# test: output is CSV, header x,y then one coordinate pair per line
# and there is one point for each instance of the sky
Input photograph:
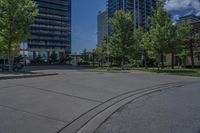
x,y
84,23
84,19
180,8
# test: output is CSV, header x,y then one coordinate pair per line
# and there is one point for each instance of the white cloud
x,y
190,12
173,5
176,17
198,13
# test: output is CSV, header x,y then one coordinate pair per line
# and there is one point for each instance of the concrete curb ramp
x,y
91,120
27,76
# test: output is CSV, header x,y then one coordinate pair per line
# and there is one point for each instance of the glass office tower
x,y
114,5
140,9
102,26
51,31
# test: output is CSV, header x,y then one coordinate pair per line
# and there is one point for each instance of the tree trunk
x,y
172,59
124,60
111,63
9,55
99,63
162,60
93,60
10,48
158,65
120,61
145,59
192,55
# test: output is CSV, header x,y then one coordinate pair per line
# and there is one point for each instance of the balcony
x,y
39,26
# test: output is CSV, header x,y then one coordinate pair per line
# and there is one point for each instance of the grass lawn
x,y
176,71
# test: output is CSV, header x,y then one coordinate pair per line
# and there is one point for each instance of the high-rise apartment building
x,y
102,28
114,5
141,9
51,31
188,19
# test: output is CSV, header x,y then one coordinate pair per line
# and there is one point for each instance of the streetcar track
x,y
86,117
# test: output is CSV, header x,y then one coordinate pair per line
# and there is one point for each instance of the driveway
x,y
68,101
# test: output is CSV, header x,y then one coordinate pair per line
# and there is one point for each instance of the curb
x,y
27,76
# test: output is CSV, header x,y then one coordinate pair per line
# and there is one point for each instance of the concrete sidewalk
x,y
5,76
50,104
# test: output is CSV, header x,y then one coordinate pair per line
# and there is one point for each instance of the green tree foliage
x,y
101,52
192,42
160,25
2,47
122,36
137,46
166,37
64,58
85,55
16,18
54,57
136,52
177,36
39,59
147,48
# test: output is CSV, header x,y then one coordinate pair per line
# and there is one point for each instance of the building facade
x,y
195,23
51,31
189,19
102,28
141,10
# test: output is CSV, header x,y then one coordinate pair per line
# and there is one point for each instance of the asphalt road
x,y
49,104
172,111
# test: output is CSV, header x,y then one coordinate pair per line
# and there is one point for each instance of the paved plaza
x,y
67,102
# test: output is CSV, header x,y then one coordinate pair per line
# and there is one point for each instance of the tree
x,y
147,48
191,42
121,38
85,55
2,47
64,58
100,51
177,35
160,24
16,18
141,45
135,49
166,37
54,57
38,59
